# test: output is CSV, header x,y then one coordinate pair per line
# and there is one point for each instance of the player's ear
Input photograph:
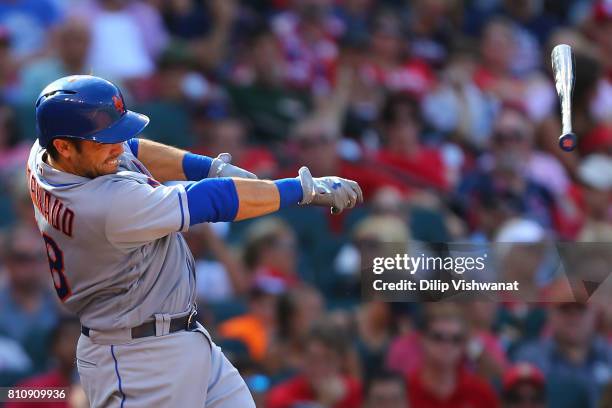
x,y
64,148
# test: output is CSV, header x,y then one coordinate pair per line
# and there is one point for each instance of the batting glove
x,y
334,192
221,167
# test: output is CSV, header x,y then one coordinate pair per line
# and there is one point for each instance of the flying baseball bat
x,y
563,69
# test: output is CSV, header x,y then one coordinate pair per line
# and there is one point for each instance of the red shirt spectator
x,y
413,76
403,152
298,390
470,392
442,381
425,167
229,135
406,354
309,47
370,179
322,379
388,66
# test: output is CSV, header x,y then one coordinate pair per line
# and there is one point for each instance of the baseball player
x,y
116,255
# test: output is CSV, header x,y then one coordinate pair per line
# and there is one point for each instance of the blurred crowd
x,y
446,114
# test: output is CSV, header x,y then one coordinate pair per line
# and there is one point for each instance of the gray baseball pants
x,y
181,369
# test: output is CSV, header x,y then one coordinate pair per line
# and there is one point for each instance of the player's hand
x,y
221,167
334,192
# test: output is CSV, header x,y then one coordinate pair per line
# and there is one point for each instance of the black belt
x,y
148,329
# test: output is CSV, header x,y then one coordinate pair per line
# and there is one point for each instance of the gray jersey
x,y
114,245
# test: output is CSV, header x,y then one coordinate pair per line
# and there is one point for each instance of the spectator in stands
x,y
513,169
206,27
524,386
513,138
298,311
403,152
432,26
13,150
135,25
221,274
522,246
598,28
315,141
441,381
500,49
573,351
457,107
255,378
28,310
8,66
485,348
270,255
14,362
307,32
62,349
256,327
169,102
385,389
483,353
490,212
534,25
28,22
20,215
257,90
595,176
375,328
387,66
71,42
229,135
355,16
374,236
320,380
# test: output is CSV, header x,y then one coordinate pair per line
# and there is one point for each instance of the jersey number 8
x,y
56,265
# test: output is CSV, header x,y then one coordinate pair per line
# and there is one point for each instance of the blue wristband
x,y
196,167
290,191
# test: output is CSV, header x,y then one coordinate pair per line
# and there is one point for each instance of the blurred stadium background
x,y
443,110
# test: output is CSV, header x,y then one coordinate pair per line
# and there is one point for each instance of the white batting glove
x,y
221,167
334,192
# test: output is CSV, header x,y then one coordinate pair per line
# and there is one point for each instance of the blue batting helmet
x,y
85,107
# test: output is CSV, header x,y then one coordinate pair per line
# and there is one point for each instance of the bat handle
x,y
566,118
568,140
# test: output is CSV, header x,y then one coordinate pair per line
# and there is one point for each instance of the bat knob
x,y
568,142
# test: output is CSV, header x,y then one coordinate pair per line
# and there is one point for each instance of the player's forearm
x,y
167,163
232,199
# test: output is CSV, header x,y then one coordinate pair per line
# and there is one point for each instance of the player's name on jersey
x,y
55,212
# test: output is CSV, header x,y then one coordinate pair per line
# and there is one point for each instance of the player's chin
x,y
110,167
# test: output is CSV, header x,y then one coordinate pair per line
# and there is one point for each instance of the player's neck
x,y
60,165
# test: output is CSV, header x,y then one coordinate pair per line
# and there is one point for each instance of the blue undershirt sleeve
x,y
133,144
